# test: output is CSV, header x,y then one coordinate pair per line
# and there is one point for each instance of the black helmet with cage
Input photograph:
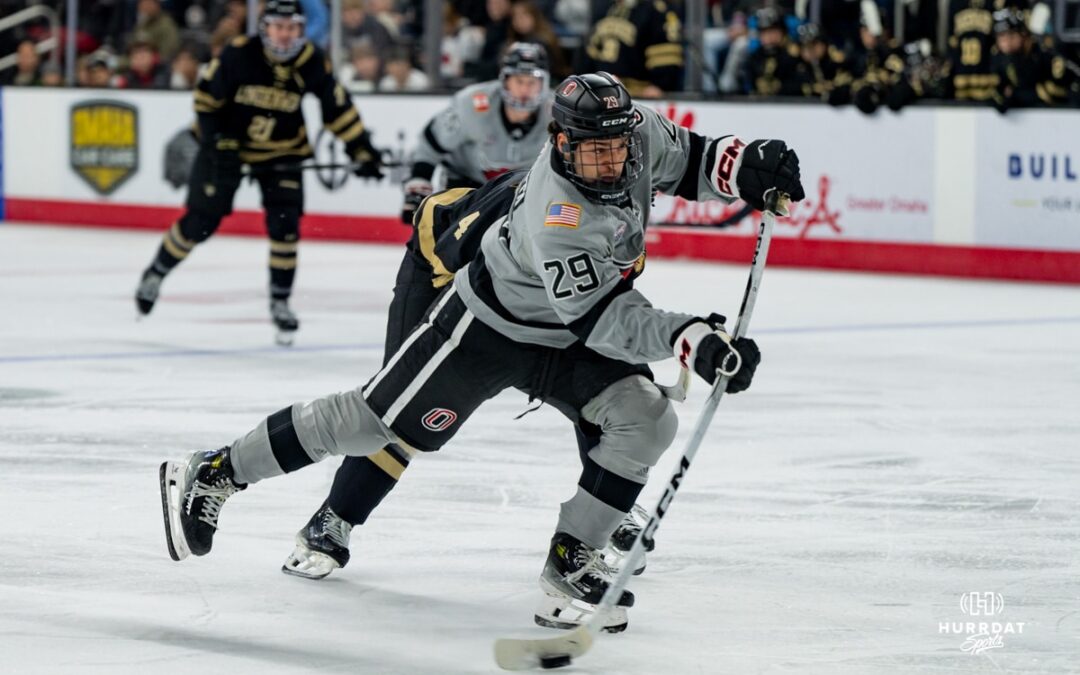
x,y
280,11
530,59
597,107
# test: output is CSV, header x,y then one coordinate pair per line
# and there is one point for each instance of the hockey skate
x,y
574,579
147,292
285,321
321,547
622,540
192,494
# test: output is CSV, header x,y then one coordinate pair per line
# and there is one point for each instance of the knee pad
x,y
283,223
197,226
637,421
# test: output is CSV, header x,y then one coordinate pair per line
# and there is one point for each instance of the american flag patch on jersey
x,y
563,215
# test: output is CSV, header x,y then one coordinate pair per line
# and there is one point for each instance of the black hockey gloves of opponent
x,y
767,164
704,347
368,158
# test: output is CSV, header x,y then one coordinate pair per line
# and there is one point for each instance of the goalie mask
x,y
281,29
524,76
595,134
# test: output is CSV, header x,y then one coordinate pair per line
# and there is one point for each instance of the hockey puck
x,y
557,661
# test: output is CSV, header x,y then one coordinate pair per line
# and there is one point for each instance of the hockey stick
x,y
560,650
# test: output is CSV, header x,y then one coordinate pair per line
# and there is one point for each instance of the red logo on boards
x,y
438,419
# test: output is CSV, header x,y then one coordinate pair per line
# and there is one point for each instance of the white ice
x,y
907,440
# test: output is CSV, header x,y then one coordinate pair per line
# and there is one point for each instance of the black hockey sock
x,y
588,437
362,482
612,489
284,442
174,248
282,268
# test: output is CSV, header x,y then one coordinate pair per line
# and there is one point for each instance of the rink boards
x,y
959,192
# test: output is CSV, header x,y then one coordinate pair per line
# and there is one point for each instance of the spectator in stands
x,y
641,44
497,28
528,24
357,24
461,43
51,75
822,67
772,69
145,70
400,73
154,26
1030,75
316,22
101,70
27,70
184,71
364,69
384,11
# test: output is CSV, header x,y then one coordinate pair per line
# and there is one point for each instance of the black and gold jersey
x,y
640,42
448,226
971,40
245,95
774,72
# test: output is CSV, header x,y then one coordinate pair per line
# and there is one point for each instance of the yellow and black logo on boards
x,y
104,143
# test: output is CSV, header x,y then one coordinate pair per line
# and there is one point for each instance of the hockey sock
x,y
362,482
174,248
282,268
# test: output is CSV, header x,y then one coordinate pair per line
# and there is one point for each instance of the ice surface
x,y
906,441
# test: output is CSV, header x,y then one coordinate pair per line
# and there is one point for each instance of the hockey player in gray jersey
x,y
488,129
548,306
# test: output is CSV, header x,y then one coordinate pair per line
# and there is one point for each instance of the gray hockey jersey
x,y
558,268
470,139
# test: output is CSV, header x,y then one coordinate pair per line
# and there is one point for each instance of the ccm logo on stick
x,y
439,419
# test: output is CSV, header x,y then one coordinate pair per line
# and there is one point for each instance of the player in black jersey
x,y
248,107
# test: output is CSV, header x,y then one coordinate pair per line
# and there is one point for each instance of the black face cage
x,y
575,160
294,47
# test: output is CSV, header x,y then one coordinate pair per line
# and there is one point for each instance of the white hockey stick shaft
x,y
513,654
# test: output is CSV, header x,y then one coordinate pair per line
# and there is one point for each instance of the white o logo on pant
x,y
439,419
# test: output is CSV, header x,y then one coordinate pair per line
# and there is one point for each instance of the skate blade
x,y
170,477
285,338
557,610
308,564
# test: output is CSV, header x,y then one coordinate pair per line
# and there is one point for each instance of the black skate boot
x,y
574,579
286,322
321,547
147,292
192,494
622,540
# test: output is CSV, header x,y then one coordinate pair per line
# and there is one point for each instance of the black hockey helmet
x,y
596,107
768,17
525,58
1009,20
283,10
809,33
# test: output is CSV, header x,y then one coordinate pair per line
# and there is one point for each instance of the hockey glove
x,y
368,158
224,161
768,164
416,191
704,347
